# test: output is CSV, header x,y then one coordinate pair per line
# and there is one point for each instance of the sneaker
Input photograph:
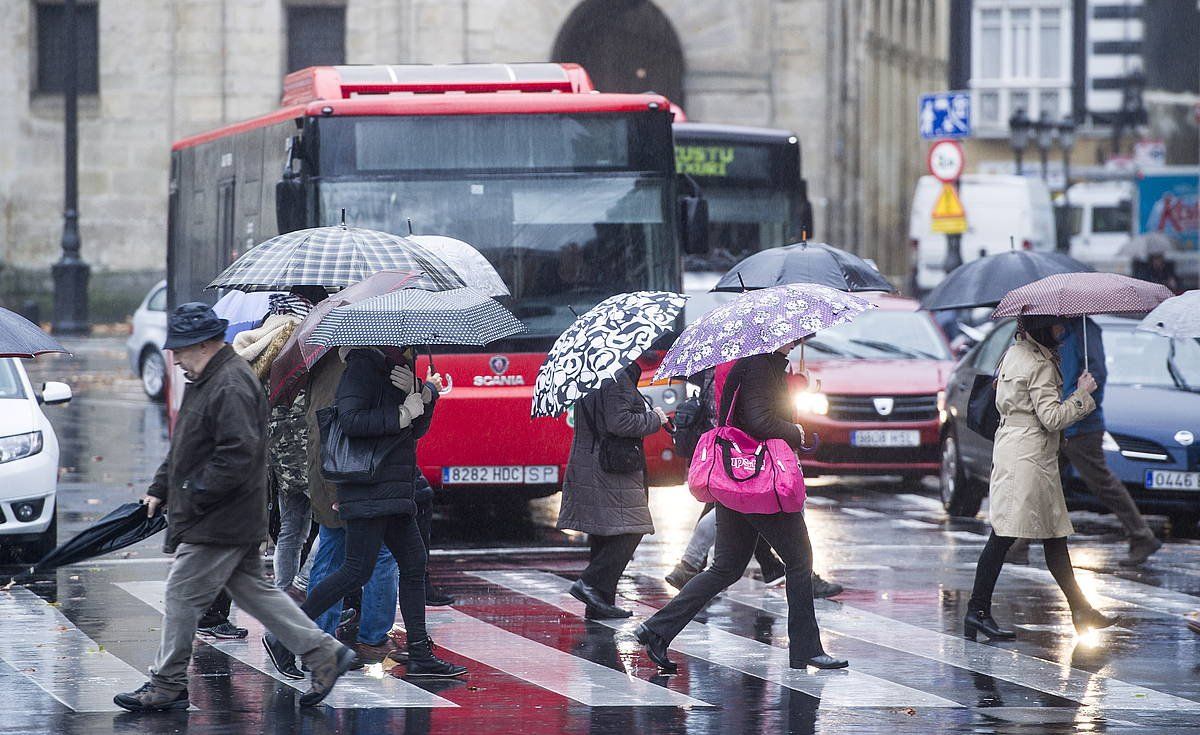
x,y
225,631
284,660
682,574
325,673
150,697
823,589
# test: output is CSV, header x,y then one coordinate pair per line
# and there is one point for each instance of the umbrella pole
x,y
1085,351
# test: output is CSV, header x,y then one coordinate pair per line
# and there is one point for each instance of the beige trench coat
x,y
1026,491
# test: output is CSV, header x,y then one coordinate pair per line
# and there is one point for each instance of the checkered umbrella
x,y
606,339
1082,294
332,257
462,316
1178,316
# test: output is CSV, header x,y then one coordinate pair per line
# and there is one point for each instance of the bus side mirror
x,y
693,225
290,212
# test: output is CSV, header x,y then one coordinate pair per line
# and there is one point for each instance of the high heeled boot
x,y
981,621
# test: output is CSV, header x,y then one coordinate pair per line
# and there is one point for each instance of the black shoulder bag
x,y
351,459
983,417
618,455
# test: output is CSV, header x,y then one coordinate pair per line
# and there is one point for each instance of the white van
x,y
1000,210
1101,223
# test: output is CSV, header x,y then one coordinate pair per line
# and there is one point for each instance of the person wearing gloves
x,y
214,486
1026,491
611,507
378,396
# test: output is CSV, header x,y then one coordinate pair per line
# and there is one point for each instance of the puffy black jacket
x,y
369,407
214,479
764,406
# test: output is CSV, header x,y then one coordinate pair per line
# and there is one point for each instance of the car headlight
x,y
815,403
20,446
1109,444
941,406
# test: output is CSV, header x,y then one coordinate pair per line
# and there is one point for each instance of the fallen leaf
x,y
909,711
61,628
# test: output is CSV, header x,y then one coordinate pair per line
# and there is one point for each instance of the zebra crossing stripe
x,y
1033,673
586,682
1120,589
36,633
846,688
354,690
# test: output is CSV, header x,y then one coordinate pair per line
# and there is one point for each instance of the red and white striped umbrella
x,y
1081,294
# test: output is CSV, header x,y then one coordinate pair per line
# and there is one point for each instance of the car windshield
x,y
562,243
10,379
879,335
1134,357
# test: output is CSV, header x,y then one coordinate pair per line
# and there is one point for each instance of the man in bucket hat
x,y
214,485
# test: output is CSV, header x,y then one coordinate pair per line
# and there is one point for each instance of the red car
x,y
877,395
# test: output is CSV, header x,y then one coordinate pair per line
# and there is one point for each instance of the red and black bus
x,y
569,193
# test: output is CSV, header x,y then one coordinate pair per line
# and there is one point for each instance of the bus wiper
x,y
892,349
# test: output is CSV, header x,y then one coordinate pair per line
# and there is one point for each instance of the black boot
x,y
422,664
1089,618
656,648
823,661
981,621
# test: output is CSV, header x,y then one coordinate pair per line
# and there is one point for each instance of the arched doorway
x,y
626,46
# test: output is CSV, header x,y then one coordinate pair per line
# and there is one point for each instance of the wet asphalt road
x,y
70,640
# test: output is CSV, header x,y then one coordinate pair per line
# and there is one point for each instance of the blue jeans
x,y
379,594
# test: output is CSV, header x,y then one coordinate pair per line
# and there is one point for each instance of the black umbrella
x,y
123,527
20,337
804,262
985,282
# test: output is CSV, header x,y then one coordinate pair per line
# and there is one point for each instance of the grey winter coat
x,y
599,502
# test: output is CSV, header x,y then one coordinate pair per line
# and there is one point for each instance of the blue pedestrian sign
x,y
945,115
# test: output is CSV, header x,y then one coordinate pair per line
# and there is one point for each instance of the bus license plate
x,y
1167,480
885,438
503,475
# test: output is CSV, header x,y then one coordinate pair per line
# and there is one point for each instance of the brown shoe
x,y
369,654
325,673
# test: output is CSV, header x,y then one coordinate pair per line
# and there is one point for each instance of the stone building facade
x,y
843,74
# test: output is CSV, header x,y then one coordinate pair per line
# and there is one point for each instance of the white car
x,y
144,346
28,462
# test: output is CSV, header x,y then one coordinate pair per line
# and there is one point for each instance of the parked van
x,y
1101,223
1000,210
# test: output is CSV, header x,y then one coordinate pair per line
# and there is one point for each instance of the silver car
x,y
144,346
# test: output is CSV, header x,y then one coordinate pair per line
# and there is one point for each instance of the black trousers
x,y
609,557
991,560
737,535
768,562
364,537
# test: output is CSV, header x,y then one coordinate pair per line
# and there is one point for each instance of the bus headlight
x,y
814,403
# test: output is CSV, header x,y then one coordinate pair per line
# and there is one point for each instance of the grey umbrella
x,y
1178,316
20,337
462,316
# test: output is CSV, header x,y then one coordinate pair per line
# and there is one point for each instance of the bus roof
x,y
496,89
733,133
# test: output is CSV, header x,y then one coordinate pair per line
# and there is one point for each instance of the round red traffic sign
x,y
946,159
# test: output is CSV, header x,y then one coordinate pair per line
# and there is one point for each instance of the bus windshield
x,y
574,226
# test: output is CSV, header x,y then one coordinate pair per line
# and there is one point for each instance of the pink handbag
x,y
734,469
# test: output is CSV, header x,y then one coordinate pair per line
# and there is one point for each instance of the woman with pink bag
x,y
748,465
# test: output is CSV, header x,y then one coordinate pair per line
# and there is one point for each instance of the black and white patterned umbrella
x,y
461,316
333,257
600,343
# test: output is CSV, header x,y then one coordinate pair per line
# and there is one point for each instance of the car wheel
x,y
153,370
961,496
32,551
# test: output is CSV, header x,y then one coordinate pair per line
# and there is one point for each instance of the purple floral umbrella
x,y
758,322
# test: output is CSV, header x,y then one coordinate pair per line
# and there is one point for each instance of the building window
x,y
1021,59
316,36
51,31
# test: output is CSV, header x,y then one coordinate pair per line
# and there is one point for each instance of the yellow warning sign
x,y
948,215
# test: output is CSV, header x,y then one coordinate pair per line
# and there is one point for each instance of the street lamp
x,y
1046,131
1066,141
1018,133
70,272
